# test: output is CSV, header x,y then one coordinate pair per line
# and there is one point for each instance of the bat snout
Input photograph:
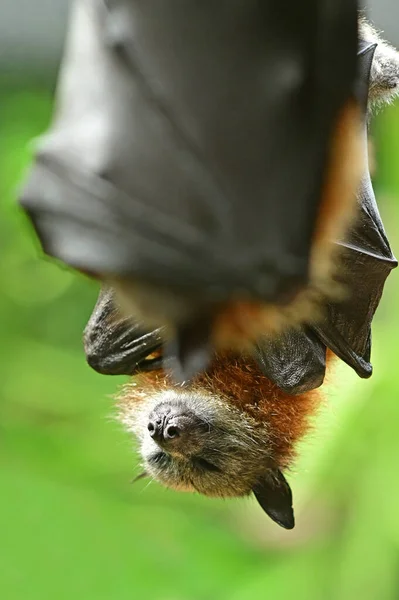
x,y
163,429
174,428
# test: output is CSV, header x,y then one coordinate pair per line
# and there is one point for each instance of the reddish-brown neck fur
x,y
239,381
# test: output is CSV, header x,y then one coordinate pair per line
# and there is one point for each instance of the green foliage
x,y
71,524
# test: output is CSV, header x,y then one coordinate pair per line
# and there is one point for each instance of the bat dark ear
x,y
275,497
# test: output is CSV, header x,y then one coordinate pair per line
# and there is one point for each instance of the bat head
x,y
230,433
193,442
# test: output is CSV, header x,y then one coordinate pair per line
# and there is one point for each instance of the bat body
x,y
233,429
184,134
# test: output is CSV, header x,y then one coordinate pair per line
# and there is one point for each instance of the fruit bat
x,y
233,430
202,158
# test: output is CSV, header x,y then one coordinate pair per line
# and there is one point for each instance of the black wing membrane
x,y
367,260
118,346
296,359
182,133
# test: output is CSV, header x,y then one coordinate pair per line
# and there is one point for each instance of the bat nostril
x,y
154,430
171,432
162,432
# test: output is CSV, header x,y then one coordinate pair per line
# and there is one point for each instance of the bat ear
x,y
275,497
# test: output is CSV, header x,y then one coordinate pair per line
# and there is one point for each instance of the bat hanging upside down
x,y
203,159
233,429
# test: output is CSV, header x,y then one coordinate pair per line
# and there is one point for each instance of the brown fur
x,y
238,381
338,206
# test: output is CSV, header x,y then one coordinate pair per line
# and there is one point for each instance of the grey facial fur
x,y
214,448
192,441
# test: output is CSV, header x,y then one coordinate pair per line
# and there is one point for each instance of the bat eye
x,y
205,465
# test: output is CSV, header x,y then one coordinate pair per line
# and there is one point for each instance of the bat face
x,y
229,433
192,442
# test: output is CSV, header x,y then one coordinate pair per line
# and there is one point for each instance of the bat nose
x,y
162,431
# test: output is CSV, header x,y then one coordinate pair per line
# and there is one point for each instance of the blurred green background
x,y
72,525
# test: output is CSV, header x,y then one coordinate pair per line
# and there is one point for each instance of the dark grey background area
x,y
32,31
385,15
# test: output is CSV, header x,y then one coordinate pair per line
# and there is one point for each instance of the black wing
x,y
183,132
296,360
367,262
